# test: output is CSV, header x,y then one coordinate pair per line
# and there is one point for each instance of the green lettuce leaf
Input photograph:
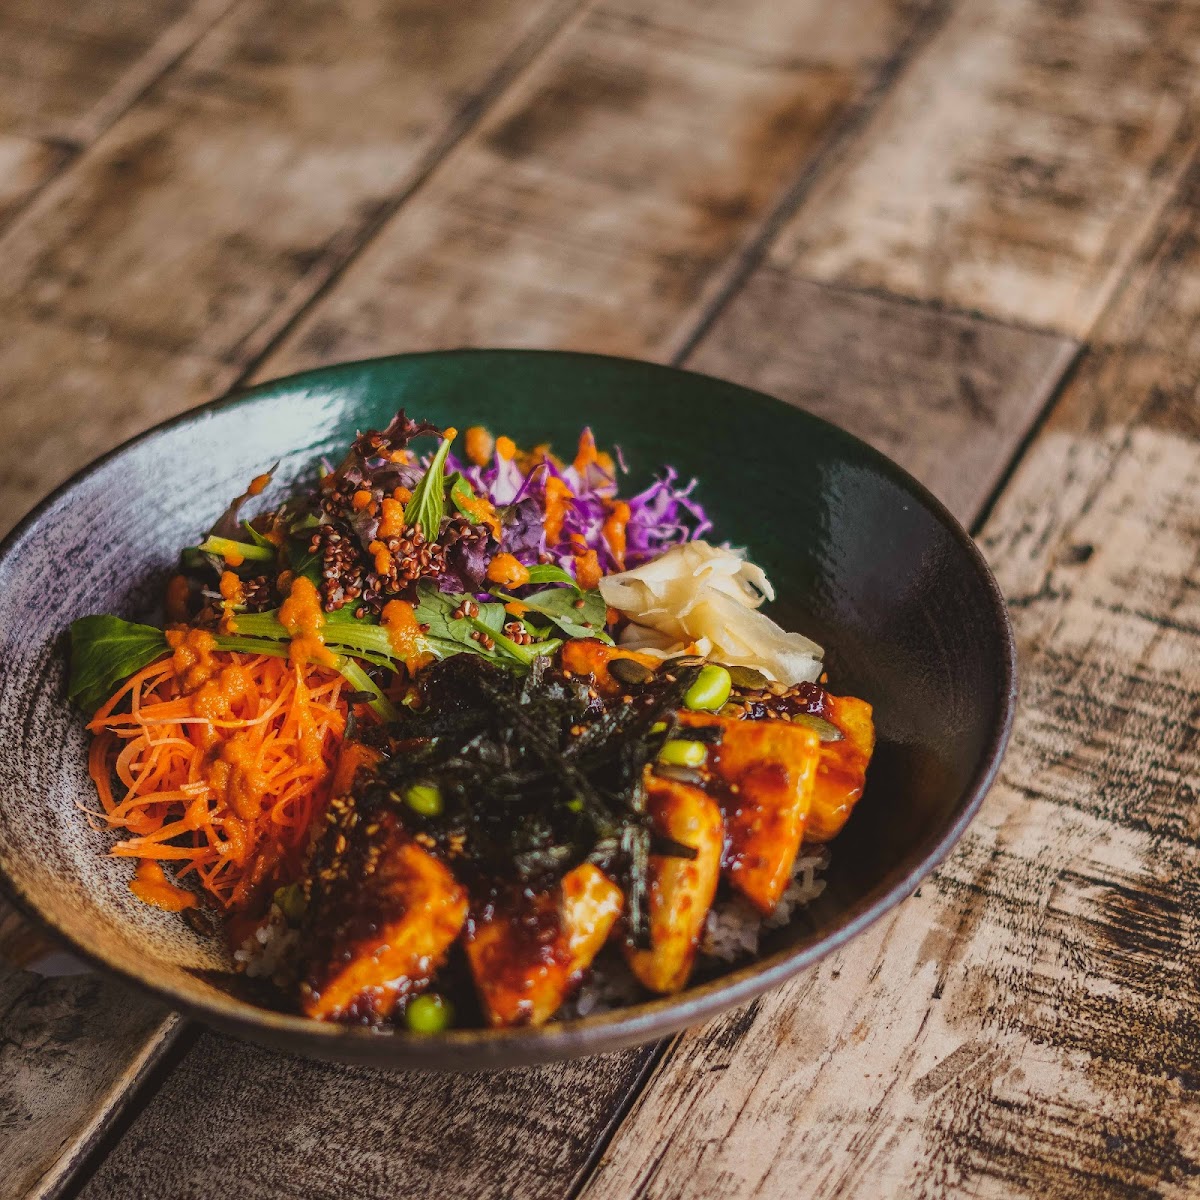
x,y
104,652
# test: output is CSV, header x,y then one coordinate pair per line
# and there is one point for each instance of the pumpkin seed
x,y
629,670
827,731
679,774
747,677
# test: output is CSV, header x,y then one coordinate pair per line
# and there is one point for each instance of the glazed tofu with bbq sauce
x,y
762,773
842,769
681,889
528,952
381,915
590,656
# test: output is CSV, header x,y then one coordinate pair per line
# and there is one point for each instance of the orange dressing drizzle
x,y
192,658
505,570
399,618
232,595
151,885
587,570
383,557
391,520
506,448
479,445
614,531
480,510
301,615
558,502
586,454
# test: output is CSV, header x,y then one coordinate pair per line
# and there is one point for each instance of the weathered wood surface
x,y
70,1049
594,1092
629,162
948,396
209,214
235,1119
154,223
1016,165
605,201
67,70
1027,1023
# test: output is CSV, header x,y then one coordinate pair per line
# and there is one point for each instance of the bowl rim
x,y
476,1049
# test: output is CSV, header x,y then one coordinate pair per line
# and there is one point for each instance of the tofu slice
x,y
382,914
842,769
590,656
681,890
762,775
527,959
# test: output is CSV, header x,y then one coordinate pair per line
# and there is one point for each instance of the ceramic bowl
x,y
863,558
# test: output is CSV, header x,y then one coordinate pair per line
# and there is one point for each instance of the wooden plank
x,y
604,202
1026,1023
1016,165
71,395
70,69
69,1047
291,1128
221,203
948,396
246,176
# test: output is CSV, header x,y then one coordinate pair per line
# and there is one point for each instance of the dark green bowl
x,y
864,559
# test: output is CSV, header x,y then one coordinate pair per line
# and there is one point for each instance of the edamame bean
x,y
679,753
429,1013
710,690
425,799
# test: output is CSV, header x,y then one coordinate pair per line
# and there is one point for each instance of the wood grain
x,y
68,395
221,203
949,397
234,1119
926,357
70,1050
584,1098
248,174
70,69
1026,1024
604,201
1016,165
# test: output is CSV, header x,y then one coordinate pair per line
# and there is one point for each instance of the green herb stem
x,y
250,551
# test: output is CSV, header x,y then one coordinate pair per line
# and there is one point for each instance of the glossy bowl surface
x,y
864,559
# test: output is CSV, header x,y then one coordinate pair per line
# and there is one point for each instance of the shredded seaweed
x,y
537,774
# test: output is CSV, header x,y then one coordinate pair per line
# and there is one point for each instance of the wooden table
x,y
967,231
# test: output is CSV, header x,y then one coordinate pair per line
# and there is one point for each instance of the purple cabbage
x,y
661,516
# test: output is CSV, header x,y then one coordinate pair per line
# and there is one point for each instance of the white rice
x,y
609,984
734,927
266,953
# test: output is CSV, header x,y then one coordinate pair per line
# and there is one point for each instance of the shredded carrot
x,y
224,778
